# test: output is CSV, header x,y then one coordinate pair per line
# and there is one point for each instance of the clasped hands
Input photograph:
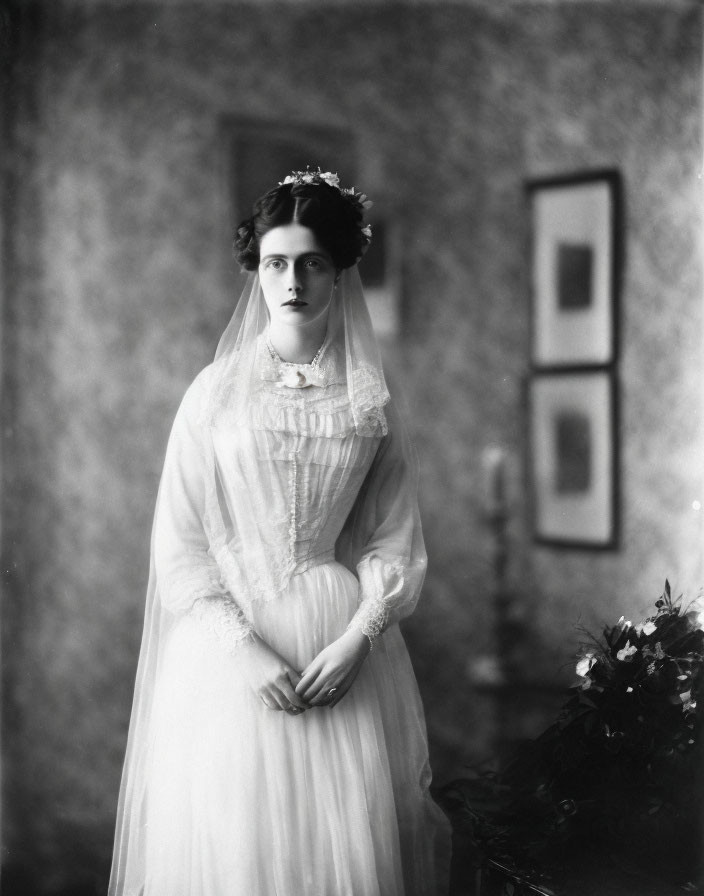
x,y
281,687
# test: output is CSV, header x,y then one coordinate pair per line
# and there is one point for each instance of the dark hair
x,y
335,218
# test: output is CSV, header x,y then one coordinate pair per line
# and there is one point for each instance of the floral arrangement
x,y
620,765
638,687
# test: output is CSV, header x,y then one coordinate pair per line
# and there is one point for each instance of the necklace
x,y
277,357
293,375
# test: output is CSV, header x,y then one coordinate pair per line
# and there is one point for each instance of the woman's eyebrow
x,y
295,257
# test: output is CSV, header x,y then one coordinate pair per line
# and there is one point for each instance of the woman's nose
x,y
294,279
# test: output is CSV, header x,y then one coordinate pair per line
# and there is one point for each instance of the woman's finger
x,y
290,696
308,681
341,690
294,677
321,695
344,687
268,702
318,688
340,693
340,680
280,701
277,697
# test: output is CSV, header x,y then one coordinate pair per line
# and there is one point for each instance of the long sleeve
x,y
384,535
188,576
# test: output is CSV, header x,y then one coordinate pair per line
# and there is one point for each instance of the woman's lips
x,y
294,303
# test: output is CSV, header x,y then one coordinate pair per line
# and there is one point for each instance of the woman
x,y
277,744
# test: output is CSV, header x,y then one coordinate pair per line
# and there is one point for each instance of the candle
x,y
494,465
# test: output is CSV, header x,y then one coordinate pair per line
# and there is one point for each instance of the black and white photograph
x,y
351,447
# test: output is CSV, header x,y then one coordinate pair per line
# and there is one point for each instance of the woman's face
x,y
297,275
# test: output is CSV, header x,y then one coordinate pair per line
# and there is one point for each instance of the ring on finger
x,y
331,692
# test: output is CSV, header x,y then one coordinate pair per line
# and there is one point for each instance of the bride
x,y
277,745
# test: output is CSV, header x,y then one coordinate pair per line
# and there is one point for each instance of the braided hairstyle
x,y
335,217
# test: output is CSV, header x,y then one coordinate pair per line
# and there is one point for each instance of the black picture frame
x,y
576,260
574,458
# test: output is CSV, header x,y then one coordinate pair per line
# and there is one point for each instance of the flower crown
x,y
316,178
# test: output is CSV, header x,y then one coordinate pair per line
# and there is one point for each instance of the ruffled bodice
x,y
248,502
295,489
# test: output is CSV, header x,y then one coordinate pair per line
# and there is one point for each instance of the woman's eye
x,y
275,264
313,263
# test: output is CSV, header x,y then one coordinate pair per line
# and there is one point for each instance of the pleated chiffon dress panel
x,y
234,799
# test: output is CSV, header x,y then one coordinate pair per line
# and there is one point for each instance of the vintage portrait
x,y
352,494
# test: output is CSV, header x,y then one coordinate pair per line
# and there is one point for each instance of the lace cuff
x,y
371,619
223,619
381,585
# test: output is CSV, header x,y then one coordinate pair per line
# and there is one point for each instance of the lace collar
x,y
325,369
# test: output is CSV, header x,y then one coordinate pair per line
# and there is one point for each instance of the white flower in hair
x,y
331,179
354,197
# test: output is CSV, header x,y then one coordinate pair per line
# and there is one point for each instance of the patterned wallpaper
x,y
118,282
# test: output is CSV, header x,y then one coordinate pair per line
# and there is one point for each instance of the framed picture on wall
x,y
575,258
573,458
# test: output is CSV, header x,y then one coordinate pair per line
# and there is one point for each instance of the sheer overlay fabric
x,y
290,512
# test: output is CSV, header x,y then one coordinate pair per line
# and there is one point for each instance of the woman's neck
x,y
298,345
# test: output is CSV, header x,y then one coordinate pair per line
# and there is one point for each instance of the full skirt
x,y
245,801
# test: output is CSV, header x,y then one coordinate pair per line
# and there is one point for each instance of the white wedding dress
x,y
233,799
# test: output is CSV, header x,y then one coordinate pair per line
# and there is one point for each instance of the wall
x,y
581,115
118,285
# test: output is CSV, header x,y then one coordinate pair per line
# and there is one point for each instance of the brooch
x,y
297,376
292,378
